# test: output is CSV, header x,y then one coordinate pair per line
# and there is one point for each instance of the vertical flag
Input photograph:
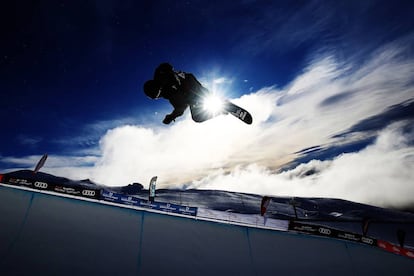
x,y
40,163
152,189
365,226
401,237
263,206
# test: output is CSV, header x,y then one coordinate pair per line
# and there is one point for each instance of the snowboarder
x,y
182,90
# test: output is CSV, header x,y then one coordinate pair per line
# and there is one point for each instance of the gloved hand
x,y
168,119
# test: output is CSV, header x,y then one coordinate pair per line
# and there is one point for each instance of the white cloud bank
x,y
327,98
381,174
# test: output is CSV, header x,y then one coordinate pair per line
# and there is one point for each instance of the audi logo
x,y
324,231
41,185
88,193
367,240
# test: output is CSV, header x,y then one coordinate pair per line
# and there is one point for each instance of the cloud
x,y
29,140
380,174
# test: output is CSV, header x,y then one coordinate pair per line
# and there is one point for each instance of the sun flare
x,y
213,104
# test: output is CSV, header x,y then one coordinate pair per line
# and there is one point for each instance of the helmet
x,y
152,89
163,68
166,75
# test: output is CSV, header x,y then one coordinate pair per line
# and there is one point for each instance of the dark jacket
x,y
181,89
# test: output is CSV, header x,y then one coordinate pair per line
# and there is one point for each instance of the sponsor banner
x,y
149,204
40,185
387,246
124,199
168,207
187,210
111,196
67,190
130,200
160,206
330,232
19,182
178,209
76,191
91,193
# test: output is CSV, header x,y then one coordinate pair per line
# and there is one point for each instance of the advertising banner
x,y
142,203
330,232
111,196
18,181
387,246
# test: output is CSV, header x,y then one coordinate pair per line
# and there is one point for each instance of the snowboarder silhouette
x,y
184,90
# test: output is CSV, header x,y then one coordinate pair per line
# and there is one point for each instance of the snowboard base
x,y
239,112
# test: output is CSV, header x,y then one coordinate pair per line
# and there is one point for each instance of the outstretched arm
x,y
171,117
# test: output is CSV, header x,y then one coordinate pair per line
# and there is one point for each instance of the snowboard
x,y
238,112
200,115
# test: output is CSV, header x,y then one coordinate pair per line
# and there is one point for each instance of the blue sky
x,y
329,84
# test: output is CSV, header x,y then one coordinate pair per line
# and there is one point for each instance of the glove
x,y
168,119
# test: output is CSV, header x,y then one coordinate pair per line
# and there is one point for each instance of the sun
x,y
213,104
